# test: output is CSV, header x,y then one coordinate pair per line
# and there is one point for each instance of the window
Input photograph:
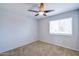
x,y
61,26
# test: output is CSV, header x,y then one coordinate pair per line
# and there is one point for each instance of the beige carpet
x,y
40,49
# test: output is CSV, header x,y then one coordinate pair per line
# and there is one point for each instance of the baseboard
x,y
35,41
59,45
18,46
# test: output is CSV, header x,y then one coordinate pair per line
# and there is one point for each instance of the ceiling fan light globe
x,y
41,13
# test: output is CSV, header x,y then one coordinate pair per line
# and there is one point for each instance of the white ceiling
x,y
23,7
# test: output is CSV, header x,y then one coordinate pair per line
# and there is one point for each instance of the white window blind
x,y
61,26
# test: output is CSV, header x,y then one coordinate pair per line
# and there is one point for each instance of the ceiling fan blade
x,y
36,14
46,11
33,11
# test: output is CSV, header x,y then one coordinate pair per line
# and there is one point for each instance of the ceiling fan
x,y
41,11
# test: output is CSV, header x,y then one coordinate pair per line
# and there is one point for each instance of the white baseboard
x,y
59,45
20,45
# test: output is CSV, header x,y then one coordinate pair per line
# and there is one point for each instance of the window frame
x,y
61,33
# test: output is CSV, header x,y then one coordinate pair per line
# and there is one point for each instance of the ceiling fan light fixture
x,y
41,13
41,10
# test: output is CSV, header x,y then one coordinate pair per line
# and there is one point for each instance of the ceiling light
x,y
41,13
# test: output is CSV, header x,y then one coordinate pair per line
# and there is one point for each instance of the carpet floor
x,y
39,48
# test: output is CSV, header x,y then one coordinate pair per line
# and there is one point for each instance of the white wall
x,y
16,29
67,41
